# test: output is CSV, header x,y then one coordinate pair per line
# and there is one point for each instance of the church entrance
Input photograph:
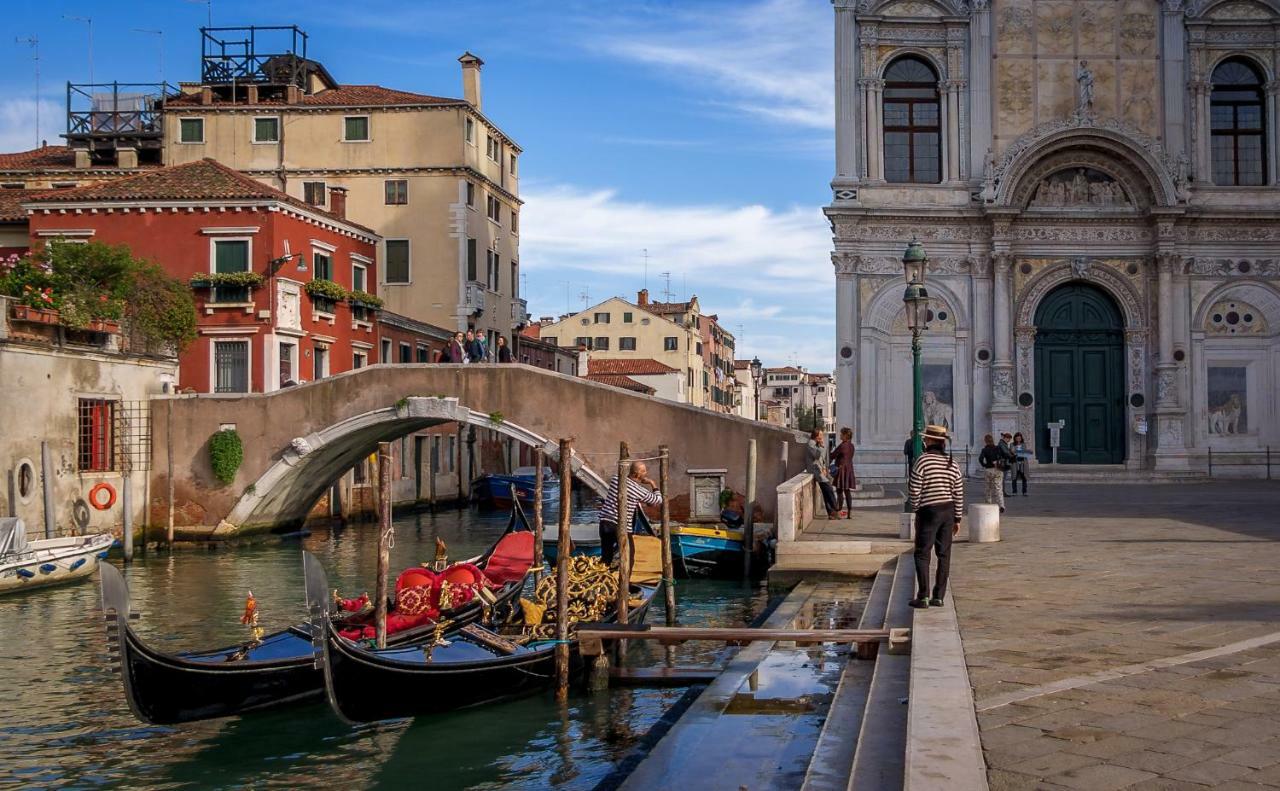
x,y
1079,371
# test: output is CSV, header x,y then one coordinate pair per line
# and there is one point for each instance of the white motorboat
x,y
47,561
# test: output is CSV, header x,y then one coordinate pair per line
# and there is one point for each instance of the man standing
x,y
1006,466
936,493
641,490
991,459
818,469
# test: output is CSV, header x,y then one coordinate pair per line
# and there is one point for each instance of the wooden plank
x,y
491,639
662,676
590,647
742,635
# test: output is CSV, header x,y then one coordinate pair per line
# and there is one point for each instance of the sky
x,y
696,135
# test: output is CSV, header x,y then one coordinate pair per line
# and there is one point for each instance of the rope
x,y
390,537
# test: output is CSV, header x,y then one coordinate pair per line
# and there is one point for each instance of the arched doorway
x,y
1079,365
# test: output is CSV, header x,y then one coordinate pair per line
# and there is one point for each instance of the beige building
x,y
433,176
794,390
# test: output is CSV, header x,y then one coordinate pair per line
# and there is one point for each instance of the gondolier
x,y
936,492
641,490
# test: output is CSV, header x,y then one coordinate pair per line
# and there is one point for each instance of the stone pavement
x,y
1127,637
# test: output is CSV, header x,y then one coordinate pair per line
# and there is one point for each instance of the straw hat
x,y
932,431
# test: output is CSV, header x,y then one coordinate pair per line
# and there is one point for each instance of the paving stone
x,y
1152,761
1258,757
1024,750
1169,729
1006,735
1208,772
1004,780
1165,784
1101,777
1112,746
1193,748
1055,763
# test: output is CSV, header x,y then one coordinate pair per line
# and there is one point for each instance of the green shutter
x,y
265,130
191,130
357,128
231,256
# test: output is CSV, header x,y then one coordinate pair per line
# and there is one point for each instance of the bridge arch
x,y
290,487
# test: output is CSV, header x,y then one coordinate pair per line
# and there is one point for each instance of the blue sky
x,y
700,131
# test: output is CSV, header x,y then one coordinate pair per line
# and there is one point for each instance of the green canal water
x,y
66,725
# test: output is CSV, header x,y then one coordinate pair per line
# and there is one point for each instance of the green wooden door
x,y
1079,359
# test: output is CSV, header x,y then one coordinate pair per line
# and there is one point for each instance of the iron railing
x,y
1241,458
273,54
114,109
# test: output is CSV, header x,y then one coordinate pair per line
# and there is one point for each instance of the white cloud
x,y
770,59
768,271
18,124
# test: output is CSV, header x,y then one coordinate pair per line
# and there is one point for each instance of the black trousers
x,y
609,542
1019,474
934,528
829,496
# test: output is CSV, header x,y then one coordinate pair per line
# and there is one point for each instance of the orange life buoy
x,y
96,490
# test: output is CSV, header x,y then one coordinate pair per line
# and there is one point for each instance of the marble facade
x,y
1043,187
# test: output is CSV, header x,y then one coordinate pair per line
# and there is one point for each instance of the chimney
x,y
206,94
471,78
338,201
642,298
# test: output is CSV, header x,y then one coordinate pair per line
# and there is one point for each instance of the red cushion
x,y
511,558
416,577
462,574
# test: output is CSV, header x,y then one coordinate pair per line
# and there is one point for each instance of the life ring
x,y
96,490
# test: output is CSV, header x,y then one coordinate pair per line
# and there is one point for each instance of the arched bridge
x,y
298,440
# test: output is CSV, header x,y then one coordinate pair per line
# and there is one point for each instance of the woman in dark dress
x,y
504,353
845,481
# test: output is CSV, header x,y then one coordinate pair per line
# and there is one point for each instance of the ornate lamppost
x,y
916,300
757,372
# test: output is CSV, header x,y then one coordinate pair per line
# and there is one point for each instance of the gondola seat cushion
x,y
463,574
511,558
417,577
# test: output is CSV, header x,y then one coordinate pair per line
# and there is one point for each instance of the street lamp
x,y
916,301
757,371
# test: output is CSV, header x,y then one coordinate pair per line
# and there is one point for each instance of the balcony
x,y
474,301
519,312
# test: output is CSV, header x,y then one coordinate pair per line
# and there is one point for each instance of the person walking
x,y
456,351
1006,452
641,490
936,496
504,351
1021,461
817,455
992,461
475,351
845,481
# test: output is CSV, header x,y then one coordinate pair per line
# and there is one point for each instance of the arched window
x,y
912,123
1238,125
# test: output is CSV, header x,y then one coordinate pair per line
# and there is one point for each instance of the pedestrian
x,y
641,490
1006,452
456,351
936,494
818,467
1021,461
475,352
504,352
845,481
991,460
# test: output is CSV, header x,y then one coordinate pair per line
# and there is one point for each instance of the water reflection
x,y
67,723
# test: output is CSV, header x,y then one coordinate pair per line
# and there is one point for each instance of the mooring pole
x,y
46,481
126,502
168,442
668,576
538,460
749,522
624,546
461,502
562,573
384,541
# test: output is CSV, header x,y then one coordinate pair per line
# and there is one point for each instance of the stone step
x,y
877,502
791,569
816,546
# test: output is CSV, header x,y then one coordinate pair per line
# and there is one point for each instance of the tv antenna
x,y
159,34
89,22
646,268
34,42
666,291
585,296
208,4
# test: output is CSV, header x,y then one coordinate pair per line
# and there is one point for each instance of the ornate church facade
x,y
1095,183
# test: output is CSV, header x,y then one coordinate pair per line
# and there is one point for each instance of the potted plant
x,y
325,294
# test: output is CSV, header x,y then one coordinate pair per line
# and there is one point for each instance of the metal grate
x,y
95,420
133,435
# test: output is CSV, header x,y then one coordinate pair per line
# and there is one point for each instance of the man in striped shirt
x,y
936,493
641,490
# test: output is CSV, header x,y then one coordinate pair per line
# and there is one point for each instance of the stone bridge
x,y
299,440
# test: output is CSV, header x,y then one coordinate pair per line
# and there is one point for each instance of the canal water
x,y
65,723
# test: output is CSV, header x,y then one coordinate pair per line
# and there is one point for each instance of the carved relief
x,y
1226,267
1014,102
1055,27
1002,384
910,8
1014,24
1234,317
1082,233
1137,30
1119,288
1135,343
1138,91
1097,28
1079,188
1241,10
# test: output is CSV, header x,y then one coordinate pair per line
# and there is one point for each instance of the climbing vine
x,y
226,452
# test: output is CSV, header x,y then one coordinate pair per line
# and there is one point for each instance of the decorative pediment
x,y
1079,188
910,8
1240,10
914,9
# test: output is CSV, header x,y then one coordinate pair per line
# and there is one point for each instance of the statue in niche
x,y
1084,79
1079,188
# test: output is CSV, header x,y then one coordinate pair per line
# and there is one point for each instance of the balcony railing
x,y
114,109
519,311
474,300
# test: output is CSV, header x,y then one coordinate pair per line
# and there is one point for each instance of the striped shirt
x,y
936,479
637,493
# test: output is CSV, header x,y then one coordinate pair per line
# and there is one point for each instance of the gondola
x,y
496,490
474,667
277,669
586,536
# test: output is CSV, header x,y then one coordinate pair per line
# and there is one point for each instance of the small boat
x,y
586,537
277,668
707,550
28,564
495,491
473,667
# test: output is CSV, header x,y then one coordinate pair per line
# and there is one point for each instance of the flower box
x,y
35,315
104,325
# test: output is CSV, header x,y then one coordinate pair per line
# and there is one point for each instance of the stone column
x,y
1273,133
1174,62
847,114
1002,369
848,318
954,88
1166,368
979,85
1203,162
874,138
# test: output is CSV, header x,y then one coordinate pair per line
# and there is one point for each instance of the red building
x,y
284,290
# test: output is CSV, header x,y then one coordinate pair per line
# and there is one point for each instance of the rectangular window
x,y
320,360
424,354
191,130
359,279
471,131
515,222
97,451
627,344
602,318
493,148
628,318
288,358
321,265
495,261
582,341
397,261
355,128
266,130
515,280
359,360
602,343
229,256
471,260
670,344
513,164
698,349
397,192
314,192
471,194
495,209
230,366
453,453
386,350
406,352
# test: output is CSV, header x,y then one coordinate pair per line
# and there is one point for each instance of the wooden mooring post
x,y
384,541
749,518
668,575
539,565
624,546
562,572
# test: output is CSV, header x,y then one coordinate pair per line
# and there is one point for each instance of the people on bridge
x,y
1021,461
817,454
936,496
845,481
455,351
475,346
504,352
993,461
641,490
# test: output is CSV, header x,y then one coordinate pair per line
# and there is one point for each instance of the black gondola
x,y
280,668
369,685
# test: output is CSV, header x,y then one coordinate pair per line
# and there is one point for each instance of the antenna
x,y
34,43
88,21
208,4
160,35
646,268
666,291
567,306
585,296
